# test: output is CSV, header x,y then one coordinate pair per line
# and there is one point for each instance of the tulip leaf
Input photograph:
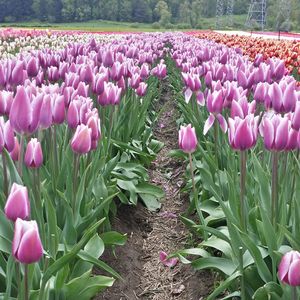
x,y
86,286
95,246
61,262
222,264
224,285
271,290
14,174
113,238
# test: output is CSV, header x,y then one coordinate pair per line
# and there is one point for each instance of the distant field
x,y
110,26
93,26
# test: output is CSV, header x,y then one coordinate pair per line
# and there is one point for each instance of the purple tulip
x,y
108,58
81,141
242,108
187,139
288,270
296,117
32,67
27,246
34,154
142,89
17,204
275,131
46,113
242,133
24,115
14,154
73,114
58,109
17,75
111,95
8,134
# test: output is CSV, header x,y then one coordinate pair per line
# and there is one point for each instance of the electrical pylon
x,y
257,14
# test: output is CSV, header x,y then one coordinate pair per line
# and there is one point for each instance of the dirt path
x,y
146,278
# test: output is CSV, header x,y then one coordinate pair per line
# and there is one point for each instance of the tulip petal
x,y
208,123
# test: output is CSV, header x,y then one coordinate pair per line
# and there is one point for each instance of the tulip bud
x,y
17,204
34,154
81,141
288,270
187,139
27,246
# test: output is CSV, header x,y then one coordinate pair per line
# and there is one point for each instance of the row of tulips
x,y
15,41
75,132
244,186
286,50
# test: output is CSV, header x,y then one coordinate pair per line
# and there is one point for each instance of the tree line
x,y
188,12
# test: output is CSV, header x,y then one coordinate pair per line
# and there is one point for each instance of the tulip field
x,y
198,133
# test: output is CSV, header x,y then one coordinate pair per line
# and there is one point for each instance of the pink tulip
x,y
188,139
242,133
288,270
34,154
27,246
81,141
171,262
17,204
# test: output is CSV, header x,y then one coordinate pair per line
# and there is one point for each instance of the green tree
x,y
162,10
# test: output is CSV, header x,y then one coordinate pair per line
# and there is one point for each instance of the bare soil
x,y
145,277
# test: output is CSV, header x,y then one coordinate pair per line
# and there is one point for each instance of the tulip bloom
x,y
82,139
215,106
24,114
288,270
242,133
17,204
187,139
33,154
27,246
275,132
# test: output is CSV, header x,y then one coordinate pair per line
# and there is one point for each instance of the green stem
x,y
18,279
275,158
5,179
26,291
195,197
243,161
241,265
294,293
75,175
38,203
20,159
110,130
216,142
